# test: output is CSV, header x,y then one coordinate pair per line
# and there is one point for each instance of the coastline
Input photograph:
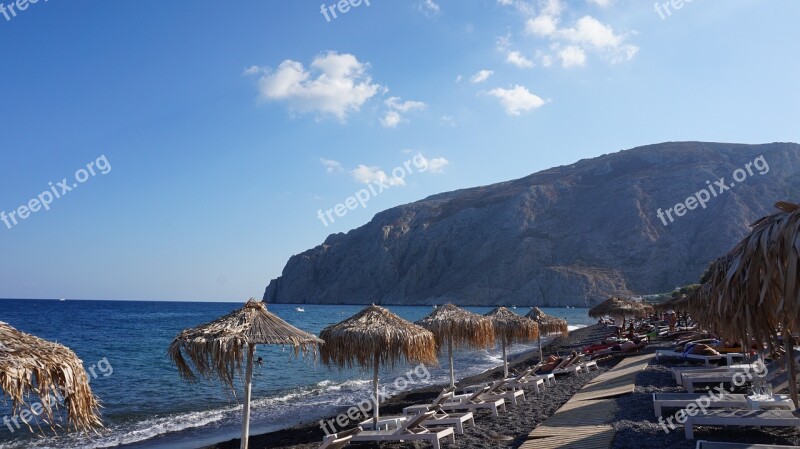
x,y
507,428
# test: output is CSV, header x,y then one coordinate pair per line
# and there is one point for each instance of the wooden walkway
x,y
584,422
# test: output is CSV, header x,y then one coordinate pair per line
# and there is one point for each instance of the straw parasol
x,y
617,307
547,325
754,290
216,349
460,328
512,328
32,366
373,337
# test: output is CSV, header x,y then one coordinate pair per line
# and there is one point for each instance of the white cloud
x,y
572,56
391,119
459,78
430,8
367,175
519,60
587,33
252,70
396,107
437,164
448,120
517,100
481,76
331,166
336,84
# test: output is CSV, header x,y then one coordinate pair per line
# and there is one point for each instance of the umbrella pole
x,y
452,373
541,357
505,359
792,367
375,390
247,393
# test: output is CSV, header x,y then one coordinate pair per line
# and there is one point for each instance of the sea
x,y
145,403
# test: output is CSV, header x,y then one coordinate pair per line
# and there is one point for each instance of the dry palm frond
x,y
548,324
512,328
376,332
459,327
31,366
216,349
617,307
754,290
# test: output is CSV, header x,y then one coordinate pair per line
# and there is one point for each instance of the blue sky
x,y
227,126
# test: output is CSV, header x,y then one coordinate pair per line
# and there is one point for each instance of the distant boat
x,y
300,309
62,299
513,307
435,306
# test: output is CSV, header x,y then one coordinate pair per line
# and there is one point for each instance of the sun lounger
x,y
339,440
766,418
715,445
679,370
527,379
706,359
444,396
497,390
690,379
476,402
411,430
440,419
568,366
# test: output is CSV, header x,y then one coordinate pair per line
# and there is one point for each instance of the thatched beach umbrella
x,y
754,291
547,325
216,349
458,327
373,337
32,366
512,328
617,307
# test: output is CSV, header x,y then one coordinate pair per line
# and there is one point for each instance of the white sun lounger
x,y
766,418
440,419
689,380
496,391
412,430
339,440
706,359
682,400
702,444
677,371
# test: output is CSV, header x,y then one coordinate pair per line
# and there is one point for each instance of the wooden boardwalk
x,y
584,422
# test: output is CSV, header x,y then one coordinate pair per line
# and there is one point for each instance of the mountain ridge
x,y
568,235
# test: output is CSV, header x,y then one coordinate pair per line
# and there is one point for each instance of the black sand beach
x,y
508,430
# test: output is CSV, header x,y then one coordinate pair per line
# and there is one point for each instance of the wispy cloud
x,y
517,100
481,76
331,166
396,108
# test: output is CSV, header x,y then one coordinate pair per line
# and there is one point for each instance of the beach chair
x,y
568,365
726,400
702,444
439,419
527,379
679,370
690,379
497,390
476,402
411,430
739,418
444,396
339,440
706,359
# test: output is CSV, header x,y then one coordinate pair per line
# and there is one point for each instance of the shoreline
x,y
309,434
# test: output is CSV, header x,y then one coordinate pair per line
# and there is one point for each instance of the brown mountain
x,y
570,235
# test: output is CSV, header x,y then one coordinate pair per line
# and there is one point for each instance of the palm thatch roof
x,y
30,366
616,306
548,324
511,327
459,326
754,290
373,332
677,302
217,349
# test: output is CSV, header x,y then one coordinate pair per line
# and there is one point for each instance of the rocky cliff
x,y
570,235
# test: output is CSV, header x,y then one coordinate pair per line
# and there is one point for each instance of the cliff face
x,y
570,235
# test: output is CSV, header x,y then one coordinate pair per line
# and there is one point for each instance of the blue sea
x,y
123,345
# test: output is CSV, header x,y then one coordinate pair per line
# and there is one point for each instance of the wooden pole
x,y
375,390
540,347
247,394
505,359
452,373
